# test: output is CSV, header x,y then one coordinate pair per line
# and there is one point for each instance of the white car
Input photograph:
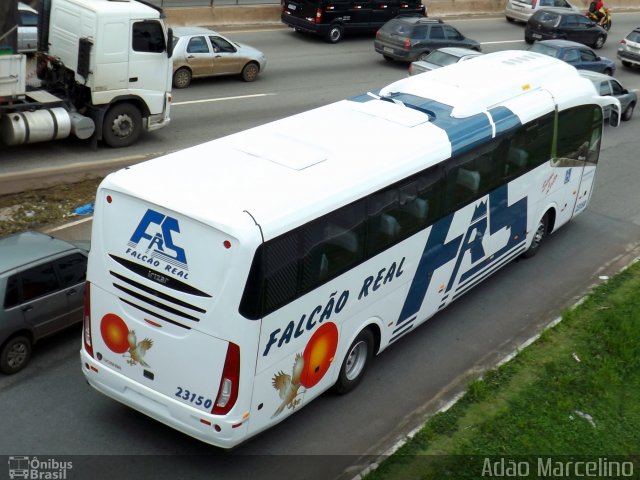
x,y
521,10
201,52
441,58
27,28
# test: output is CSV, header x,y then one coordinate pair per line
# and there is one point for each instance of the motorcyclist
x,y
598,10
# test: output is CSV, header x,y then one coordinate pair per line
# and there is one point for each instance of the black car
x,y
413,38
333,18
552,23
629,49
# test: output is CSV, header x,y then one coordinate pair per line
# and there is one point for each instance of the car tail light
x,y
318,17
534,3
407,44
623,41
228,391
86,322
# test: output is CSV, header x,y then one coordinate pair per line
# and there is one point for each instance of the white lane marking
x,y
221,99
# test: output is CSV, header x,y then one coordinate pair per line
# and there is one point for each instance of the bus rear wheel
x,y
355,363
538,237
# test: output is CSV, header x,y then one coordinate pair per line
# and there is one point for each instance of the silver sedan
x,y
606,85
201,52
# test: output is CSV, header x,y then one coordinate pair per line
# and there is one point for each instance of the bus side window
x,y
382,227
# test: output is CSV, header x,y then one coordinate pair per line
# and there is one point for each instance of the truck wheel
x,y
182,78
355,363
334,35
122,125
250,72
15,355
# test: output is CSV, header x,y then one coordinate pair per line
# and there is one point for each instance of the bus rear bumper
x,y
211,429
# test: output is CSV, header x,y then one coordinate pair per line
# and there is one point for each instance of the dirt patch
x,y
38,209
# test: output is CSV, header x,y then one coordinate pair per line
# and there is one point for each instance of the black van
x,y
333,18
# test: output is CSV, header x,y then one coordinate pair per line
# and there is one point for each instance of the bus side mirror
x,y
170,42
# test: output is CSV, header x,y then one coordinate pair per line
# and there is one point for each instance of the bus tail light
x,y
86,321
228,391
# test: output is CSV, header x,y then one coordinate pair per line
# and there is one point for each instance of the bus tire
x,y
538,237
355,363
15,354
122,125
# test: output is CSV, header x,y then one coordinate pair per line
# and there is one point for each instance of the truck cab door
x,y
149,66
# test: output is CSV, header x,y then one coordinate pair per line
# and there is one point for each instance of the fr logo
x,y
154,232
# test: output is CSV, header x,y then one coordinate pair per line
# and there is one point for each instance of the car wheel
x,y
599,43
528,39
509,19
608,71
122,125
15,354
387,58
538,237
250,72
626,64
334,35
355,363
182,78
628,112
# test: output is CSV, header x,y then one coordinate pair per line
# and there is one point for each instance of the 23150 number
x,y
194,398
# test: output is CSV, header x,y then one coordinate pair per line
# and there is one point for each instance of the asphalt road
x,y
50,412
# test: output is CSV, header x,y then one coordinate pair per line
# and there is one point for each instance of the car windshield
x,y
544,49
440,58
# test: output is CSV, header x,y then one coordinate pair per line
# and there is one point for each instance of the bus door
x,y
360,13
591,160
576,146
382,11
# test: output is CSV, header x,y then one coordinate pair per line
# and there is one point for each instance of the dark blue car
x,y
576,54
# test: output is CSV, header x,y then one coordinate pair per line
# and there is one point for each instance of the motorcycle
x,y
604,21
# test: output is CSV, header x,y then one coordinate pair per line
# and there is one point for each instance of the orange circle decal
x,y
114,333
319,353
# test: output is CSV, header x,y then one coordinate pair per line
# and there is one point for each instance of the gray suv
x,y
413,38
42,283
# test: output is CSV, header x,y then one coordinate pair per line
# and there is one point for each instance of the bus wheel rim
x,y
356,360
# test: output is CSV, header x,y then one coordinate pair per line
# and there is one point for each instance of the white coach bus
x,y
231,283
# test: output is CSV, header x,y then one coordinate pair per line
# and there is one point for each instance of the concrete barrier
x,y
269,15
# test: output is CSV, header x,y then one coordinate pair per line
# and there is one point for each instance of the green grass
x,y
572,395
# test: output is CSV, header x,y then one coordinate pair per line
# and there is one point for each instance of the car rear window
x,y
634,37
441,58
396,27
544,49
548,19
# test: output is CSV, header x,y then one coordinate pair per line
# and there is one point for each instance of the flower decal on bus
x,y
119,339
308,368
